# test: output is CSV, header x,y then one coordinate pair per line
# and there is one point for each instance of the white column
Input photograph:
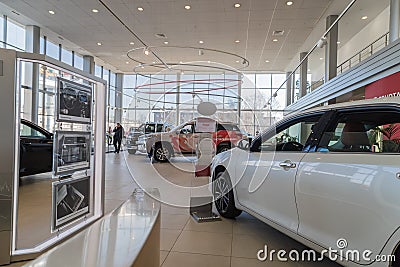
x,y
303,75
394,20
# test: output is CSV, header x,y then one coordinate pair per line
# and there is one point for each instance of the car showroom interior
x,y
221,133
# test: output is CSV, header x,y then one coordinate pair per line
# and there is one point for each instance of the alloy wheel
x,y
221,190
162,153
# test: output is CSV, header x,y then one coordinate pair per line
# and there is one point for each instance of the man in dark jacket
x,y
118,133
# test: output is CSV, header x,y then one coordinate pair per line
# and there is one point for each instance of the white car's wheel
x,y
223,196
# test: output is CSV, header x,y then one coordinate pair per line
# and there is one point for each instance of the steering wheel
x,y
292,146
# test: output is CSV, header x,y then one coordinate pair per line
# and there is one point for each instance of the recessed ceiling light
x,y
146,52
131,43
201,42
95,10
309,70
289,3
364,17
187,7
321,58
142,67
127,62
154,62
237,41
140,8
99,43
338,42
267,61
237,61
275,40
166,42
52,12
237,5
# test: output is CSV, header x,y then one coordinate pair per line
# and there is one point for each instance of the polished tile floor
x,y
187,243
183,241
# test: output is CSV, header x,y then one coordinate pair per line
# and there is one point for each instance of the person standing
x,y
118,133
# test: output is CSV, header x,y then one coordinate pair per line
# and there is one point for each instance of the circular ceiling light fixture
x,y
201,42
275,40
140,8
131,43
237,5
52,12
166,42
146,51
187,7
267,61
127,62
289,3
95,10
165,51
99,44
237,41
364,17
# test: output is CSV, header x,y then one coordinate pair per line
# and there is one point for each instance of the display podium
x,y
38,211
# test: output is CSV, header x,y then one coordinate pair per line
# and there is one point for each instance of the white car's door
x,y
268,173
351,190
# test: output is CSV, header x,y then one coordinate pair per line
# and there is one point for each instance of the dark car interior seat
x,y
354,138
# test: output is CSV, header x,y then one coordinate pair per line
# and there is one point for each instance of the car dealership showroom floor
x,y
184,242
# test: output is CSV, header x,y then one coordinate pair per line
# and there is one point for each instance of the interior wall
x,y
375,29
371,32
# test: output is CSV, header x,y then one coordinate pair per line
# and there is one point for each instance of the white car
x,y
322,176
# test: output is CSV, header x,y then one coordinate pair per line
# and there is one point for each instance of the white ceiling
x,y
216,22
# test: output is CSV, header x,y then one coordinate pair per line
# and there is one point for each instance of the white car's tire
x,y
223,196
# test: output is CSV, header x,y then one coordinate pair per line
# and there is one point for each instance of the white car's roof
x,y
375,101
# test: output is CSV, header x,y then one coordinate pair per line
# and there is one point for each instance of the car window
x,y
187,129
364,132
149,128
291,137
27,131
227,127
160,127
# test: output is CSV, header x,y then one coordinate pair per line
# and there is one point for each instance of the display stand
x,y
69,195
201,204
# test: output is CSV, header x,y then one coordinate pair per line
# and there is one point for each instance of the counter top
x,y
114,240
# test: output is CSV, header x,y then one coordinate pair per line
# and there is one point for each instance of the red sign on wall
x,y
385,87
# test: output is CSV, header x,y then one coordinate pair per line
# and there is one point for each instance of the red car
x,y
183,140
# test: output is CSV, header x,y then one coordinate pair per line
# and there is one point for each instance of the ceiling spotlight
x,y
140,8
364,17
289,3
201,42
52,12
338,42
237,5
146,52
166,42
275,40
95,10
267,61
142,67
237,41
237,61
131,43
127,62
99,44
321,58
187,7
